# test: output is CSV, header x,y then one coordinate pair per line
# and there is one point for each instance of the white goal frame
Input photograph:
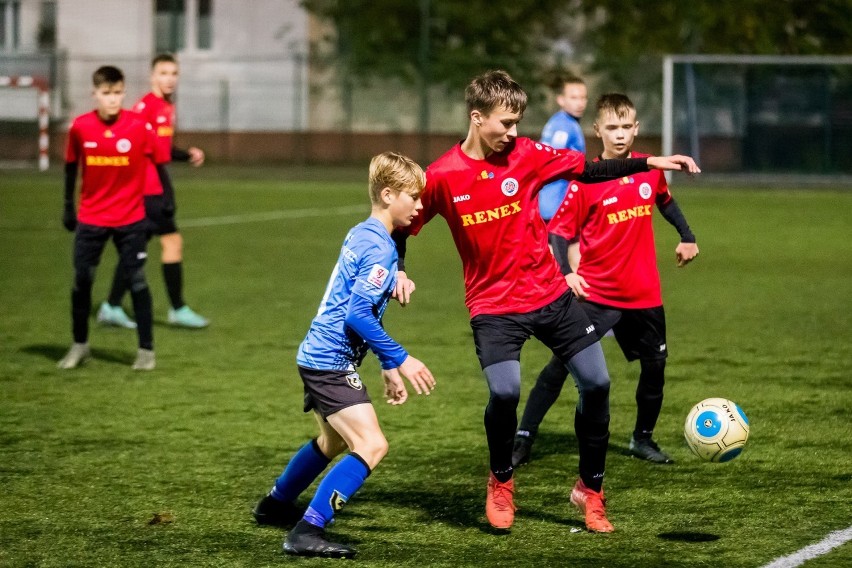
x,y
42,87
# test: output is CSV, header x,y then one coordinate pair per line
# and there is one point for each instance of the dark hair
x,y
163,58
494,89
618,104
108,75
559,82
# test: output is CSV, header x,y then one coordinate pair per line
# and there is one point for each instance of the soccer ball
x,y
716,430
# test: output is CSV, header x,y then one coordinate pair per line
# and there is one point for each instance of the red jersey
x,y
160,114
491,207
614,222
114,158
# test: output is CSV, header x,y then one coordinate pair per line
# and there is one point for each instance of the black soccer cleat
x,y
648,450
309,540
272,512
522,449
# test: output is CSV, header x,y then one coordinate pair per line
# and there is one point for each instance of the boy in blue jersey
x,y
563,130
347,324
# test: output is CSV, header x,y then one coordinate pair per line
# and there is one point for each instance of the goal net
x,y
759,114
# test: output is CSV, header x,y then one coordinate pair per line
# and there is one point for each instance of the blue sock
x,y
336,488
300,472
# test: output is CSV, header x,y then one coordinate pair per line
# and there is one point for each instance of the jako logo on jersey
x,y
354,381
491,214
378,275
485,175
645,190
590,329
123,145
627,214
457,198
610,200
509,187
337,501
107,160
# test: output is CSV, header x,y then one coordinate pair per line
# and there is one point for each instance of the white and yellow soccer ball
x,y
716,430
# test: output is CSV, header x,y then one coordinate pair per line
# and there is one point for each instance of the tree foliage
x,y
381,38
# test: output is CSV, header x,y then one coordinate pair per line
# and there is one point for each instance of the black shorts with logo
x,y
330,391
158,222
641,333
561,325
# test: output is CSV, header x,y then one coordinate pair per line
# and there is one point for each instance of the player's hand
x,y
418,375
395,392
196,156
577,284
685,253
676,162
168,208
69,218
404,288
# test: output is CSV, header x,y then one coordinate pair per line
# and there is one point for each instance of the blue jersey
x,y
348,320
561,131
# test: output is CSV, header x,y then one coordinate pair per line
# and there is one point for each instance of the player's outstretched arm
x,y
676,163
418,375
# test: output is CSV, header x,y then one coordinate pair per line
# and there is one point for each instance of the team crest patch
x,y
645,190
123,145
354,381
337,501
509,187
378,275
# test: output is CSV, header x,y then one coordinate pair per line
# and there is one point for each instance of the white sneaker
x,y
145,360
78,353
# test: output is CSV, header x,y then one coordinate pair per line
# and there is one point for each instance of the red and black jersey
x,y
114,159
491,207
160,114
613,221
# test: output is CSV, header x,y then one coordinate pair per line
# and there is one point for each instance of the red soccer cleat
x,y
593,505
500,503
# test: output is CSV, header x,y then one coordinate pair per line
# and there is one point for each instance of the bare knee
x,y
172,245
372,450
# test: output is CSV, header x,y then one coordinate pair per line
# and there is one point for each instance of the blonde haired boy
x,y
347,324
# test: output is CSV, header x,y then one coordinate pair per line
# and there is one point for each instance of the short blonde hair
x,y
397,172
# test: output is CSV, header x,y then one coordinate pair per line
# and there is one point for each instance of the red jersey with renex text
x,y
491,207
160,113
113,160
613,220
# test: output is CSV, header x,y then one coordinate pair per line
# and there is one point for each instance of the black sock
x,y
593,439
173,275
119,287
81,305
649,397
547,387
144,317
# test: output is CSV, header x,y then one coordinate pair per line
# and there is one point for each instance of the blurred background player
x,y
347,324
563,131
157,107
113,148
611,264
486,188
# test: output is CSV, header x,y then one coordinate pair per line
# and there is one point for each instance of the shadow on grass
x,y
55,352
688,536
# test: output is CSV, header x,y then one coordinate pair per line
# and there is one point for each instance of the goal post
x,y
41,87
759,114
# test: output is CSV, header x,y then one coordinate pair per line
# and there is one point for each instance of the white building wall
x,y
254,76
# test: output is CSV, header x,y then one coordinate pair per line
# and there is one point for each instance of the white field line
x,y
826,545
272,216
